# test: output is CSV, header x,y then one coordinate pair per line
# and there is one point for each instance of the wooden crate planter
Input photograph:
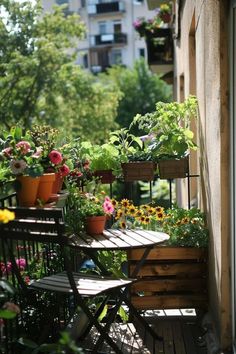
x,y
172,277
105,176
170,169
138,171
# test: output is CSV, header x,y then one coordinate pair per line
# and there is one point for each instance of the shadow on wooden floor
x,y
181,331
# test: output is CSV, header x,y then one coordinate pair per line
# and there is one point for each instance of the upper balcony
x,y
108,39
95,8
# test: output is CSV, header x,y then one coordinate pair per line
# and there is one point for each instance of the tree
x,y
140,89
39,80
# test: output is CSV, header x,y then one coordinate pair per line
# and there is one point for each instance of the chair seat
x,y
87,285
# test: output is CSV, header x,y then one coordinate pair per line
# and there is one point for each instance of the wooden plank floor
x,y
180,336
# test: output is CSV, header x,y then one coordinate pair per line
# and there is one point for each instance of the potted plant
x,y
21,157
104,162
86,212
135,160
165,13
172,137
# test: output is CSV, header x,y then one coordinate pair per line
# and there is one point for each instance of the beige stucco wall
x,y
210,29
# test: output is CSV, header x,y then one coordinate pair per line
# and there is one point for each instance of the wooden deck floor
x,y
180,336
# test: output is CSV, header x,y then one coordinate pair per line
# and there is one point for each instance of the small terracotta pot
x,y
45,186
57,184
28,190
95,225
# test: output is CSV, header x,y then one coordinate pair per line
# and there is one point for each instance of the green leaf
x,y
123,314
5,285
7,314
27,343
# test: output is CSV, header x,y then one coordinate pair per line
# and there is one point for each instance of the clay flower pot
x,y
28,189
57,184
45,186
95,225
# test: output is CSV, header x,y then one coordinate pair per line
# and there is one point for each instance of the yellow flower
x,y
119,214
122,225
6,216
160,215
138,213
159,209
147,220
185,220
114,202
132,210
125,203
151,211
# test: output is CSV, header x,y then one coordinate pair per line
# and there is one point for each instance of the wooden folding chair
x,y
37,229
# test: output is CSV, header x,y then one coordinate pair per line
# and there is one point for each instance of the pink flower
x,y
108,207
64,170
38,152
7,152
24,147
21,263
55,157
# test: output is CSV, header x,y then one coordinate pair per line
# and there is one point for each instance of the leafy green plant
x,y
186,227
126,143
104,157
169,127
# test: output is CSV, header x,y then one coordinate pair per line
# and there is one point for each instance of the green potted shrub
x,y
135,159
172,137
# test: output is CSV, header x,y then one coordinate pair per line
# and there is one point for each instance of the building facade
x,y
110,38
204,65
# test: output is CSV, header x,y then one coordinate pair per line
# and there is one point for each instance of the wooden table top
x,y
115,239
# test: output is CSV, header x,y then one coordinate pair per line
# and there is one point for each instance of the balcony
x,y
108,39
160,49
104,8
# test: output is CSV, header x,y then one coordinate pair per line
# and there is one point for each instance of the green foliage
x,y
126,143
112,261
40,82
140,90
169,127
186,228
104,157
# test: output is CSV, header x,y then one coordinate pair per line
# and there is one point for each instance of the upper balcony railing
x,y
108,39
95,8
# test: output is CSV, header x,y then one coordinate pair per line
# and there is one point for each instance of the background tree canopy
x,y
140,88
39,80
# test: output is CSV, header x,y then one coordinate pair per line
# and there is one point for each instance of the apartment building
x,y
110,38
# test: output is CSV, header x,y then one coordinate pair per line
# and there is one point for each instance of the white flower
x,y
18,166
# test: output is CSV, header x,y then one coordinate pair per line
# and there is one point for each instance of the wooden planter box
x,y
172,277
170,169
105,176
138,171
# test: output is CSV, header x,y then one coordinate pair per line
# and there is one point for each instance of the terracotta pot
x,y
45,186
57,184
28,189
95,225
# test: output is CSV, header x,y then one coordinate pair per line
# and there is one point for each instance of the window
x,y
62,2
116,57
102,27
85,61
117,26
141,52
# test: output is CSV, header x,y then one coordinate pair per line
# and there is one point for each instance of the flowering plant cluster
x,y
6,216
148,27
96,205
186,227
128,215
23,157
